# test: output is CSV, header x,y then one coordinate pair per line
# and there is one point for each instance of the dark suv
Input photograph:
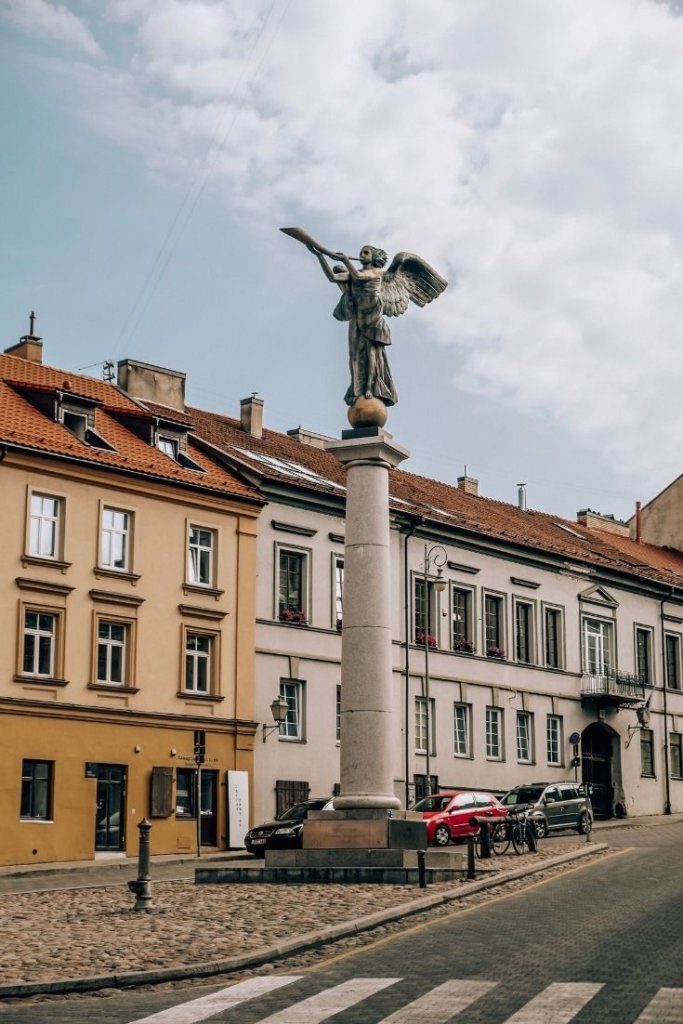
x,y
285,832
553,806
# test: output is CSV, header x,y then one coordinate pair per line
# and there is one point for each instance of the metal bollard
x,y
421,874
142,886
531,837
485,837
471,873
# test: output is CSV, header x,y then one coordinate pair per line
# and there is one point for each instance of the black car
x,y
284,833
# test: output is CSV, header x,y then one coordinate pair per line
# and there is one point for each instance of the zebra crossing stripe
x,y
442,1003
329,1002
206,1006
556,1004
665,1008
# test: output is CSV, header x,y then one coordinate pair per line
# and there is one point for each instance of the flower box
x,y
463,646
495,652
294,618
420,639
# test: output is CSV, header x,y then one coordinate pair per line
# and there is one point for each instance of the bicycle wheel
x,y
500,839
518,837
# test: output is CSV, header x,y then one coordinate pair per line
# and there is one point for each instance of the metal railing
x,y
615,684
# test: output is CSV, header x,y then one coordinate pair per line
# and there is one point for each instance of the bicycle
x,y
516,829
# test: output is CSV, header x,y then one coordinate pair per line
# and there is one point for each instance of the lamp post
x,y
437,557
279,708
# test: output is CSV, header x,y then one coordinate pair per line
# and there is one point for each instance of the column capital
x,y
368,445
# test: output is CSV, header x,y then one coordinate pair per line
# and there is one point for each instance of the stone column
x,y
368,733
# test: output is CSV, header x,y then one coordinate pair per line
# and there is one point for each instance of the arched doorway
x,y
597,770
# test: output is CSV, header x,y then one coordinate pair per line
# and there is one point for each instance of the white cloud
x,y
530,151
50,21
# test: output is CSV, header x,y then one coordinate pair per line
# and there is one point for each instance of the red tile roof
x,y
25,426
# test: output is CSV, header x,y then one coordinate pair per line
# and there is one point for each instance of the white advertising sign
x,y
238,808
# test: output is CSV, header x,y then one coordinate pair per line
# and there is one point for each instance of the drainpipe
x,y
667,784
411,526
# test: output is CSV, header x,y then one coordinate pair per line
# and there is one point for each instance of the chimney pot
x,y
468,484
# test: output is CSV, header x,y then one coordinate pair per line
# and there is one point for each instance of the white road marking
x,y
206,1006
665,1008
329,1002
556,1004
442,1003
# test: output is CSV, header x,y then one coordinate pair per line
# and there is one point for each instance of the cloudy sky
x,y
530,150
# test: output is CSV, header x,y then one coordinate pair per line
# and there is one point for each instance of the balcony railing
x,y
613,687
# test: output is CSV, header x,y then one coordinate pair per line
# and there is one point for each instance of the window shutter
x,y
162,793
288,792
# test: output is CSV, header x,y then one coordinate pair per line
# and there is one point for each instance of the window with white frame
x,y
554,739
672,651
292,603
423,726
525,737
424,608
115,539
494,626
112,652
169,446
524,623
44,539
462,730
337,713
644,654
647,753
338,591
292,691
199,658
461,620
494,733
597,646
553,638
200,556
39,643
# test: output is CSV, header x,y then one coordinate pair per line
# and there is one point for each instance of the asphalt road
x,y
601,943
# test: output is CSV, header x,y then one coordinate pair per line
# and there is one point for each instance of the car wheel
x,y
442,836
585,824
541,828
259,854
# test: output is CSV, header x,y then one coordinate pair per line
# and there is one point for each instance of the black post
x,y
531,837
421,874
471,873
485,836
142,886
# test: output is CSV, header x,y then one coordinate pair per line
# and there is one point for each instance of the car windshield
x,y
437,802
297,811
523,795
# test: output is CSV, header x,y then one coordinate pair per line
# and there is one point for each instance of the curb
x,y
308,940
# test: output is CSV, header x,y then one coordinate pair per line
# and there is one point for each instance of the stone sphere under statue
x,y
367,412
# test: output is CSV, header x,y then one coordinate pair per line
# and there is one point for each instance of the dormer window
x,y
76,423
174,444
78,416
168,446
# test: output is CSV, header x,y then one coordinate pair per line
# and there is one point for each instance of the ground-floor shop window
x,y
36,790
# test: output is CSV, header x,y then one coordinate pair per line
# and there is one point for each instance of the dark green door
x,y
208,808
109,816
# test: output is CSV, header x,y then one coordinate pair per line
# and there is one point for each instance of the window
x,y
524,737
112,653
424,621
44,527
493,624
494,734
115,539
461,620
168,446
338,591
40,639
36,790
523,631
199,650
462,718
553,637
672,646
292,691
676,754
421,725
337,714
554,739
292,578
647,753
200,556
186,793
644,654
597,646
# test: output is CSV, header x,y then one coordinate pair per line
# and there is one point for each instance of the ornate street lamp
x,y
279,708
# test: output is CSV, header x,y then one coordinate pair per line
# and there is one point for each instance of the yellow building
x,y
127,575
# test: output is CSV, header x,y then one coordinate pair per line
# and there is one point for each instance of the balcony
x,y
618,689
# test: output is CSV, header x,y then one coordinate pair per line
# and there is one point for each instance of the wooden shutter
x,y
161,801
288,792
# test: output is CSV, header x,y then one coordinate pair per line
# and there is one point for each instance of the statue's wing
x,y
408,279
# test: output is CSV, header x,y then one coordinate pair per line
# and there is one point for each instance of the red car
x,y
448,814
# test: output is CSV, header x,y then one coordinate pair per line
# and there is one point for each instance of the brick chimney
x,y
251,415
468,484
152,383
30,347
598,521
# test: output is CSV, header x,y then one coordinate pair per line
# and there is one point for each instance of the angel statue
x,y
369,294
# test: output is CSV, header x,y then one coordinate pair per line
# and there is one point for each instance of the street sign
x,y
199,746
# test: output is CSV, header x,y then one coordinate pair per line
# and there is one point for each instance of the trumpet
x,y
308,240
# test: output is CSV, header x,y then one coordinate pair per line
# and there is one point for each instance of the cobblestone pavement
x,y
189,924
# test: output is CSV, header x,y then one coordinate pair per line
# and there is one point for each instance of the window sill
x,y
116,574
36,821
113,688
198,588
41,680
207,697
54,563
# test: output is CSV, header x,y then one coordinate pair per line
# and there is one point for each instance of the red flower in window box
x,y
420,639
495,652
295,618
463,646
